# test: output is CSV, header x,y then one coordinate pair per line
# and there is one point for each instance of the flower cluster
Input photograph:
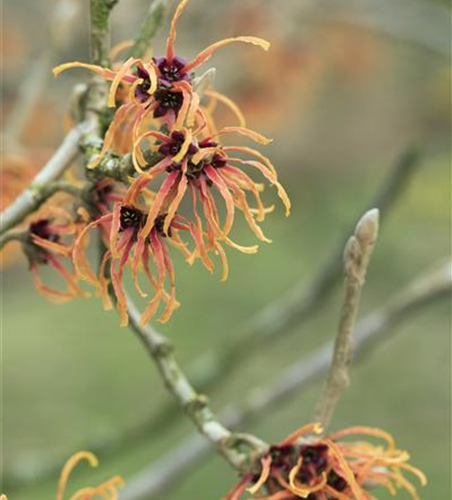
x,y
306,465
50,241
184,173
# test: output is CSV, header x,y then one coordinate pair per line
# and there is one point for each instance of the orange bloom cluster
x,y
50,241
182,173
306,465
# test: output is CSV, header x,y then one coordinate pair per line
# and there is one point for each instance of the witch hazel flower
x,y
47,245
121,230
194,167
307,465
161,88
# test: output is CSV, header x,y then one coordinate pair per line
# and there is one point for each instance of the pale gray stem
x,y
166,473
356,260
194,404
100,11
149,27
38,192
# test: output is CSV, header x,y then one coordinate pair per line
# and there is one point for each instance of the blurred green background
x,y
343,97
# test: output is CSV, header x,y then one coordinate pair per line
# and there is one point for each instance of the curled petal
x,y
174,205
349,476
229,103
81,263
120,74
220,251
53,295
120,47
206,54
108,74
253,152
223,188
137,258
114,231
243,205
367,431
314,428
246,132
173,33
51,246
69,467
172,303
158,202
239,489
193,110
120,114
102,285
185,146
304,490
271,178
265,473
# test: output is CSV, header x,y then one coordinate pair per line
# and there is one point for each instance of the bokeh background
x,y
347,87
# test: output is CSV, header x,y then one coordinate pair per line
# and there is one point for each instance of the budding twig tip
x,y
368,225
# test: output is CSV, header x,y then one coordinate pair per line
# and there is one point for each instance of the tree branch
x,y
150,26
194,404
100,11
166,473
41,188
295,306
356,261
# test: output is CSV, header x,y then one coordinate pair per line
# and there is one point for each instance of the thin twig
x,y
42,187
41,195
356,261
167,472
194,404
149,27
100,11
13,235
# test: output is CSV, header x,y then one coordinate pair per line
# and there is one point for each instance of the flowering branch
x,y
296,305
356,261
274,320
430,286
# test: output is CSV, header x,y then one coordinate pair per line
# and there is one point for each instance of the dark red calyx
x,y
131,217
171,71
167,100
41,228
